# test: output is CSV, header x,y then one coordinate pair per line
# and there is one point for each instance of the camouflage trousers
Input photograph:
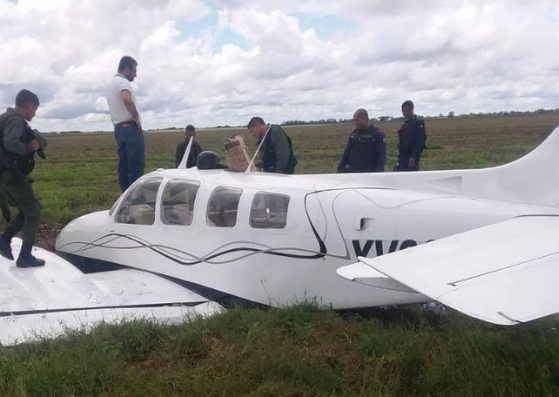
x,y
19,193
5,207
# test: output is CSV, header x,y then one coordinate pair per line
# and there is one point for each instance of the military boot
x,y
25,258
5,243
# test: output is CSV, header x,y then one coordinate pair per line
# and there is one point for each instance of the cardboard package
x,y
237,155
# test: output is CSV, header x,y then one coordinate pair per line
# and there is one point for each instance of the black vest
x,y
363,153
412,138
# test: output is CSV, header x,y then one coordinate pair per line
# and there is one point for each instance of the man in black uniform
x,y
412,137
18,144
195,149
365,150
276,149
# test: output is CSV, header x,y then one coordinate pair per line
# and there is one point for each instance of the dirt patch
x,y
46,236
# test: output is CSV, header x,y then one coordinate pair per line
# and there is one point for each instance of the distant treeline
x,y
449,115
380,118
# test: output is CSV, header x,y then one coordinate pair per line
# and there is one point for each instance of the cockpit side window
x,y
269,211
138,207
177,202
223,207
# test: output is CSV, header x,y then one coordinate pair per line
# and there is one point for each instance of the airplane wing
x,y
506,273
47,301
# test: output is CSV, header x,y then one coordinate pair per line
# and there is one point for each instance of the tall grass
x,y
299,351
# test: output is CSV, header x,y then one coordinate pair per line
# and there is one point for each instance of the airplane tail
x,y
532,179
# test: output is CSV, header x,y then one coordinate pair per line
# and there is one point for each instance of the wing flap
x,y
363,274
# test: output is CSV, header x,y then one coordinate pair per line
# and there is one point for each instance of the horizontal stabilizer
x,y
506,273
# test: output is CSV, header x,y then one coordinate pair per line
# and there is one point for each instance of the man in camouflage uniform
x,y
412,137
5,207
276,148
18,144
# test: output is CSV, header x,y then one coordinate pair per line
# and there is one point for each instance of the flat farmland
x,y
79,175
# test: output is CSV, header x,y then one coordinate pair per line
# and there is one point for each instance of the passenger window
x,y
223,206
269,211
177,202
138,207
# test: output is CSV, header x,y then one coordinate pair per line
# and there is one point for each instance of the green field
x,y
299,351
79,175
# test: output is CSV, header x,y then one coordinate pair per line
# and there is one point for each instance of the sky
x,y
221,62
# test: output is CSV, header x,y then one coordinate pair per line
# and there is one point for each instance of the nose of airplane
x,y
82,230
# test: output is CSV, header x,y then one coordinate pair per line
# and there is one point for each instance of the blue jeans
x,y
131,153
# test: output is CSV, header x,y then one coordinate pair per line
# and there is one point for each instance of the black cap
x,y
190,127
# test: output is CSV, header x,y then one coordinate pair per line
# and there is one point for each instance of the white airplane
x,y
270,239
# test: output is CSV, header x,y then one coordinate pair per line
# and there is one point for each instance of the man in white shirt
x,y
127,123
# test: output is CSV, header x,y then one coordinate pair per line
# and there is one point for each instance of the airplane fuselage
x,y
273,239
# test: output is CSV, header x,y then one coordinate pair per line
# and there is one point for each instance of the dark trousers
x,y
131,153
20,195
406,168
403,165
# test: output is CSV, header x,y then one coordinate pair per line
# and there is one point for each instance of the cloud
x,y
291,60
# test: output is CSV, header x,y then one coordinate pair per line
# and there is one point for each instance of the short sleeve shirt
x,y
118,111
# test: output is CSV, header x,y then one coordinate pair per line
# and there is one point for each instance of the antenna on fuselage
x,y
258,149
186,154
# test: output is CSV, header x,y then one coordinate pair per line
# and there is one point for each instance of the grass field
x,y
299,351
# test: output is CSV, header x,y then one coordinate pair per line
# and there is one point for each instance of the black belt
x,y
123,124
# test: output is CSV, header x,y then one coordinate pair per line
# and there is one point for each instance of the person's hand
x,y
34,144
411,162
